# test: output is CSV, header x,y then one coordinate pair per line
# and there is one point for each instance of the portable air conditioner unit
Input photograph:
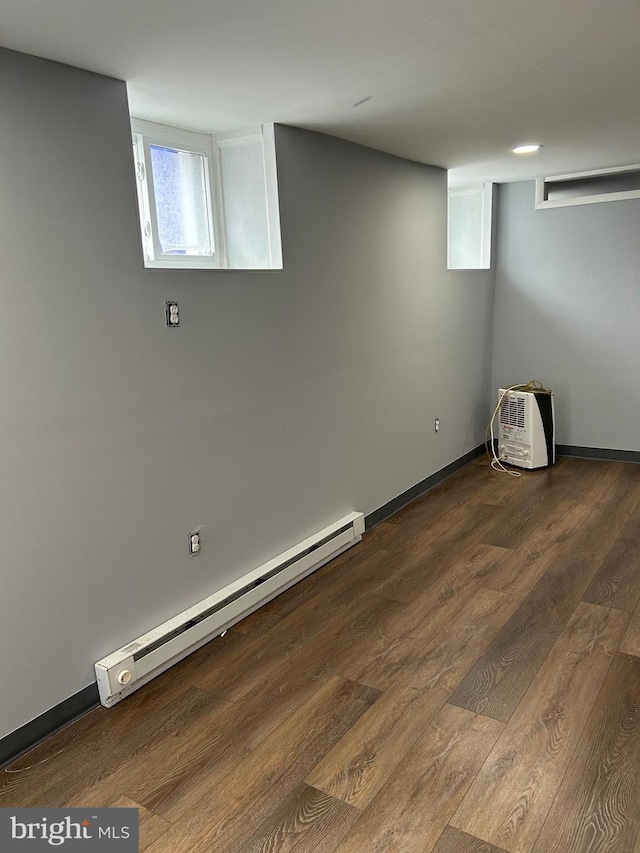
x,y
526,435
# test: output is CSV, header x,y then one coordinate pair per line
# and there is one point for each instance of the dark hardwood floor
x,y
465,680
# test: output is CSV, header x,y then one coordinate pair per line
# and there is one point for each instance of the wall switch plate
x,y
172,315
195,543
436,425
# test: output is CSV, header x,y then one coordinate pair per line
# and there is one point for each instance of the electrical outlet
x,y
172,315
195,543
436,425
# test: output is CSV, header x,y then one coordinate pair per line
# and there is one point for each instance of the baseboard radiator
x,y
135,664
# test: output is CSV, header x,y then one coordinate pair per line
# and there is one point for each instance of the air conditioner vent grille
x,y
512,412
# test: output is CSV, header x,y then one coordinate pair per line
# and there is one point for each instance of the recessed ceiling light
x,y
526,149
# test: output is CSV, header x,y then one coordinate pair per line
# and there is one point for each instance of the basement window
x,y
601,185
207,202
469,227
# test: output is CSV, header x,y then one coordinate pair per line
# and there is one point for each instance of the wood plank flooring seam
x,y
454,840
567,836
367,754
417,802
567,573
512,796
561,784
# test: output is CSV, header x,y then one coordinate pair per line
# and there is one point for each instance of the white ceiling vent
x,y
588,187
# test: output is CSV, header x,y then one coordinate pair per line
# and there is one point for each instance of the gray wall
x,y
284,401
567,312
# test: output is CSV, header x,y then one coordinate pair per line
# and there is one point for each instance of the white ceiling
x,y
452,82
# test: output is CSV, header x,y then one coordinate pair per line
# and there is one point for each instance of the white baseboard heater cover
x,y
135,664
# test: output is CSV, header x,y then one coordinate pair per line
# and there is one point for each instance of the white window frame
x,y
485,190
145,134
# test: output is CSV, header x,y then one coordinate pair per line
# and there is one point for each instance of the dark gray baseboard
x,y
396,504
598,453
26,737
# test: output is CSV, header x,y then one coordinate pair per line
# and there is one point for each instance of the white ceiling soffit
x,y
455,83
